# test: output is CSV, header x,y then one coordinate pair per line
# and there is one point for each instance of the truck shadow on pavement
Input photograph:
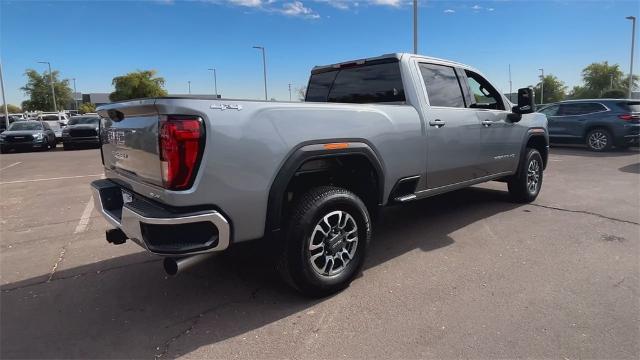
x,y
127,307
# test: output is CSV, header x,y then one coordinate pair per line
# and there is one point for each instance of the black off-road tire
x,y
599,140
295,265
525,186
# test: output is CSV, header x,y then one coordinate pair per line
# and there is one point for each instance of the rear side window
x,y
443,86
580,108
369,83
631,106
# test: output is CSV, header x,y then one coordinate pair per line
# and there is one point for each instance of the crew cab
x,y
188,176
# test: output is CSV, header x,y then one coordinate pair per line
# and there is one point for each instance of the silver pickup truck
x,y
186,177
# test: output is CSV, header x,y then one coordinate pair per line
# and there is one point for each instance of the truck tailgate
x,y
130,140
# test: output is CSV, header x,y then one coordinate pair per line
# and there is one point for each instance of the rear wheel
x,y
325,245
525,186
599,140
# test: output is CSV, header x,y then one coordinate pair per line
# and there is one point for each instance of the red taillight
x,y
181,144
629,117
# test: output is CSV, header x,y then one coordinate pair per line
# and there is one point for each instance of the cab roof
x,y
391,56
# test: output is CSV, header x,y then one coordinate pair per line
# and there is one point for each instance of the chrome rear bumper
x,y
131,221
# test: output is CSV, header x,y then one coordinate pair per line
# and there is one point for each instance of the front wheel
x,y
599,140
326,242
525,186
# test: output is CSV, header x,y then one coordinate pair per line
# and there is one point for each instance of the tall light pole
x,y
215,82
289,91
415,26
633,43
189,82
542,87
264,69
4,100
75,94
510,84
53,91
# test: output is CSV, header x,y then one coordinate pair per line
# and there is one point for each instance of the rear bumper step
x,y
159,229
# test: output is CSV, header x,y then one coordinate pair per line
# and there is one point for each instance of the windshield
x,y
87,120
25,126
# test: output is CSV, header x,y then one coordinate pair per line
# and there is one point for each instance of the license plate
x,y
126,197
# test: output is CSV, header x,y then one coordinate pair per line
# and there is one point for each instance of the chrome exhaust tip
x,y
173,266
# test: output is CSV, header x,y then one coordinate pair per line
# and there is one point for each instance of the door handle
x,y
437,123
487,123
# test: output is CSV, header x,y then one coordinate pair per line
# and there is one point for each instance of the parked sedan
x,y
81,131
27,135
599,123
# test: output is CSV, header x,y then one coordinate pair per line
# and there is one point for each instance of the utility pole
x,y
53,91
633,42
415,26
4,99
75,94
189,82
542,87
289,91
510,84
264,69
215,82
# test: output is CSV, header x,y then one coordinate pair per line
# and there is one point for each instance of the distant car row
x,y
45,132
599,123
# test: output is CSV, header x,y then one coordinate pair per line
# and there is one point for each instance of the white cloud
x,y
339,4
449,11
247,3
476,7
297,8
490,9
395,3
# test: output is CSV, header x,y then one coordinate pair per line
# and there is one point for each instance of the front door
x,y
453,130
501,139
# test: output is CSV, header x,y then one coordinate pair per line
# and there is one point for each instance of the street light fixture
x,y
264,69
633,41
215,82
53,91
542,87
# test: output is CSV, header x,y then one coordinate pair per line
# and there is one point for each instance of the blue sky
x,y
94,41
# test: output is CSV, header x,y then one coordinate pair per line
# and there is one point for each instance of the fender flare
x,y
535,133
315,150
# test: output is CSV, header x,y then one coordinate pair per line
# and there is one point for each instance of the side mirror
x,y
526,102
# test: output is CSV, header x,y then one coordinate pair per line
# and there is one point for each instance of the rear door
x,y
129,133
453,133
573,118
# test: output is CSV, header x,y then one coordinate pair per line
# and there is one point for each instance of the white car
x,y
56,121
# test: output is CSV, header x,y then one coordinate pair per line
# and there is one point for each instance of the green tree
x,y
87,108
554,89
600,77
11,108
38,89
615,94
138,84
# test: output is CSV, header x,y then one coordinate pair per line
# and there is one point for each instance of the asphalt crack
x,y
58,262
586,213
97,272
195,320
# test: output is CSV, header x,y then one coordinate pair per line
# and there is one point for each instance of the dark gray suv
x,y
599,123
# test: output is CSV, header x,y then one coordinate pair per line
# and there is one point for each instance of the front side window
x,y
443,87
484,96
550,110
361,84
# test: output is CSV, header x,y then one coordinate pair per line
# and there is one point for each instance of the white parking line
x,y
8,166
84,219
47,179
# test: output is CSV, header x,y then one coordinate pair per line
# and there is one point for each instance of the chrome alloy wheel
x,y
333,243
598,140
533,176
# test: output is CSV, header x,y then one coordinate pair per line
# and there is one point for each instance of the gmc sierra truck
x,y
189,176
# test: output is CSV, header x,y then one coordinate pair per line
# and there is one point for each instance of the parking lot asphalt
x,y
463,275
